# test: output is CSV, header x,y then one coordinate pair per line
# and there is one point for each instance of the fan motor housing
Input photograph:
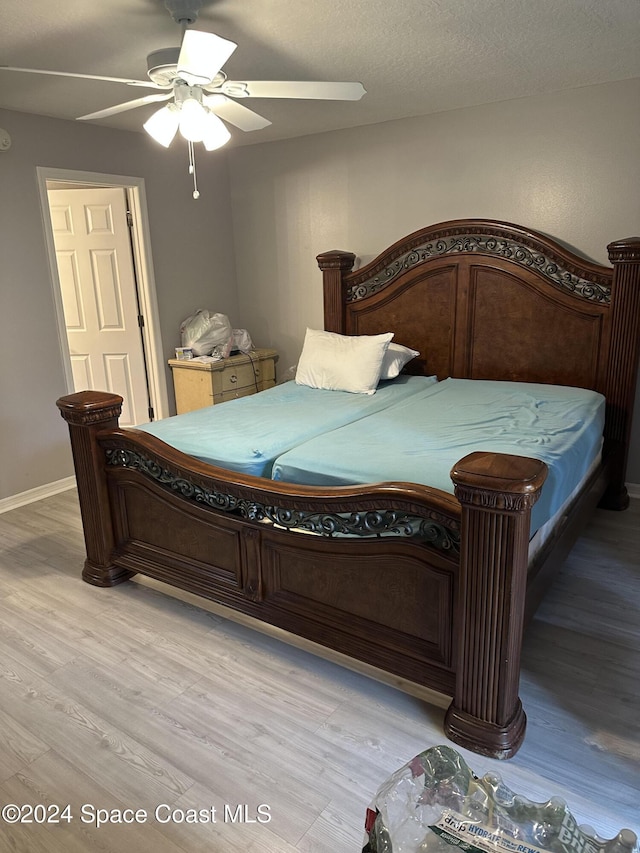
x,y
162,65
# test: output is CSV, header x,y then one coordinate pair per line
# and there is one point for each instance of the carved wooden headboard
x,y
482,299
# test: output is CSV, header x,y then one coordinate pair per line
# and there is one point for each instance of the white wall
x,y
192,247
565,164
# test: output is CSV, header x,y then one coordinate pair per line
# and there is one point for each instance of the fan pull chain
x,y
192,169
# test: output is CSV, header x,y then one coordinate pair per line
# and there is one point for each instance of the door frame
x,y
143,265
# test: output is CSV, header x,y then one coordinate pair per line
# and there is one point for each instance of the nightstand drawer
x,y
233,395
251,375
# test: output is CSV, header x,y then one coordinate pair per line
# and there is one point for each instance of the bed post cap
x,y
90,407
499,480
336,259
625,251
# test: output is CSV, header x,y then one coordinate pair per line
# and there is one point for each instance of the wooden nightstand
x,y
198,384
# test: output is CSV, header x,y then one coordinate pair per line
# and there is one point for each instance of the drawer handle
x,y
233,378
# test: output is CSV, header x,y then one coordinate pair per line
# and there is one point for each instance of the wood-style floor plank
x,y
136,698
53,780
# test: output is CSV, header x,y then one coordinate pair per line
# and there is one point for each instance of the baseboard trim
x,y
37,494
634,490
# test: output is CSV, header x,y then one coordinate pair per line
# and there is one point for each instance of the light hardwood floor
x,y
129,698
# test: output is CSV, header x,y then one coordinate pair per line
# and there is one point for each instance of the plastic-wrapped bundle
x,y
204,332
436,803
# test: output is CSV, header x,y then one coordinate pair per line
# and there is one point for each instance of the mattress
x,y
420,439
248,434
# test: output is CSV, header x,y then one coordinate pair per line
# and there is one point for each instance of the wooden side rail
x,y
497,493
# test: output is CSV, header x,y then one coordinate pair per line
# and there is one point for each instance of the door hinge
x,y
129,219
152,414
140,320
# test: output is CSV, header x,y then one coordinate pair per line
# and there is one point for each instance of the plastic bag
x,y
204,331
242,340
436,803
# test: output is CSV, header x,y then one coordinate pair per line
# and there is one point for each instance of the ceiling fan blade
x,y
128,105
292,89
202,55
234,113
126,80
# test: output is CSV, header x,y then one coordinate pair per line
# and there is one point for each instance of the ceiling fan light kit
x,y
188,114
201,98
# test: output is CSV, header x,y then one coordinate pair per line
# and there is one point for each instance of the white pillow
x,y
342,362
395,359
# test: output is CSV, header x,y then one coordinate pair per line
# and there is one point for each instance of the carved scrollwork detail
x,y
131,459
502,247
506,501
368,523
83,417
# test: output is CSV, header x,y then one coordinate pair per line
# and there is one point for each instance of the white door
x,y
99,297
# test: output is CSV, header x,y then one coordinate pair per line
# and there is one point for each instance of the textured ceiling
x,y
414,57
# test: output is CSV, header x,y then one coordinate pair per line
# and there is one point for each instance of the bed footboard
x,y
442,609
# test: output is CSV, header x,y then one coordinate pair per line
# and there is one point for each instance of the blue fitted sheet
x,y
419,440
248,434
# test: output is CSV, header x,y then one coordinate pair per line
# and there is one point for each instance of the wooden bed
x,y
442,609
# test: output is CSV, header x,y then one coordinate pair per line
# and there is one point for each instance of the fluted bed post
x,y
334,265
88,412
496,492
623,363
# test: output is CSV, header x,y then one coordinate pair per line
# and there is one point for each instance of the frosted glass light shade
x,y
163,125
192,120
215,132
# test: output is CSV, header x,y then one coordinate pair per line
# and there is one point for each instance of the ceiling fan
x,y
199,95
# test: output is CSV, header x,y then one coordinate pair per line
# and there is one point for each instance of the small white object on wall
x,y
5,140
